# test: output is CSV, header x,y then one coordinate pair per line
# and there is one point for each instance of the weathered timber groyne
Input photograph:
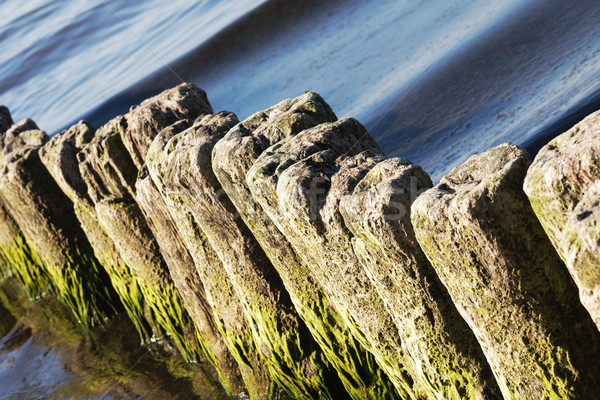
x,y
48,223
232,158
562,184
482,237
296,259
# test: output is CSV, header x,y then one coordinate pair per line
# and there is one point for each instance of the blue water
x,y
433,80
29,371
61,59
25,355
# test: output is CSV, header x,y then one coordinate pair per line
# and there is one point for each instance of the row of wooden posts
x,y
290,253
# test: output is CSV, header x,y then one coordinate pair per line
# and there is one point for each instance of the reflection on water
x,y
44,354
19,353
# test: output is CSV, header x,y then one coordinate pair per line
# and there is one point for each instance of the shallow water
x,y
18,354
525,80
44,354
434,81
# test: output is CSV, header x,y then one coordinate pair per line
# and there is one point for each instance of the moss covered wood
x,y
560,176
110,176
185,101
187,281
298,208
294,360
59,155
581,247
20,258
145,121
480,234
47,220
561,173
438,342
229,315
232,158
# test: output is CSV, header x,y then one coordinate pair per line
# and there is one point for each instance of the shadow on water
x,y
7,321
526,78
43,344
525,81
209,61
563,123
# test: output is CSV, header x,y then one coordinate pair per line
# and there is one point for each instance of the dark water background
x,y
435,81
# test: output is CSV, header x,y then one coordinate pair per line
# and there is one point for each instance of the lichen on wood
x,y
232,157
184,101
230,317
561,175
59,156
110,176
479,232
292,181
47,220
187,281
581,247
294,360
439,344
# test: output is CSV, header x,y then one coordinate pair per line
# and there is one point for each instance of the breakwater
x,y
293,256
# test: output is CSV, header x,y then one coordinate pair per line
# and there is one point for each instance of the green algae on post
x,y
144,122
488,248
305,211
59,155
110,176
439,344
187,281
49,225
21,259
294,360
232,157
230,317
